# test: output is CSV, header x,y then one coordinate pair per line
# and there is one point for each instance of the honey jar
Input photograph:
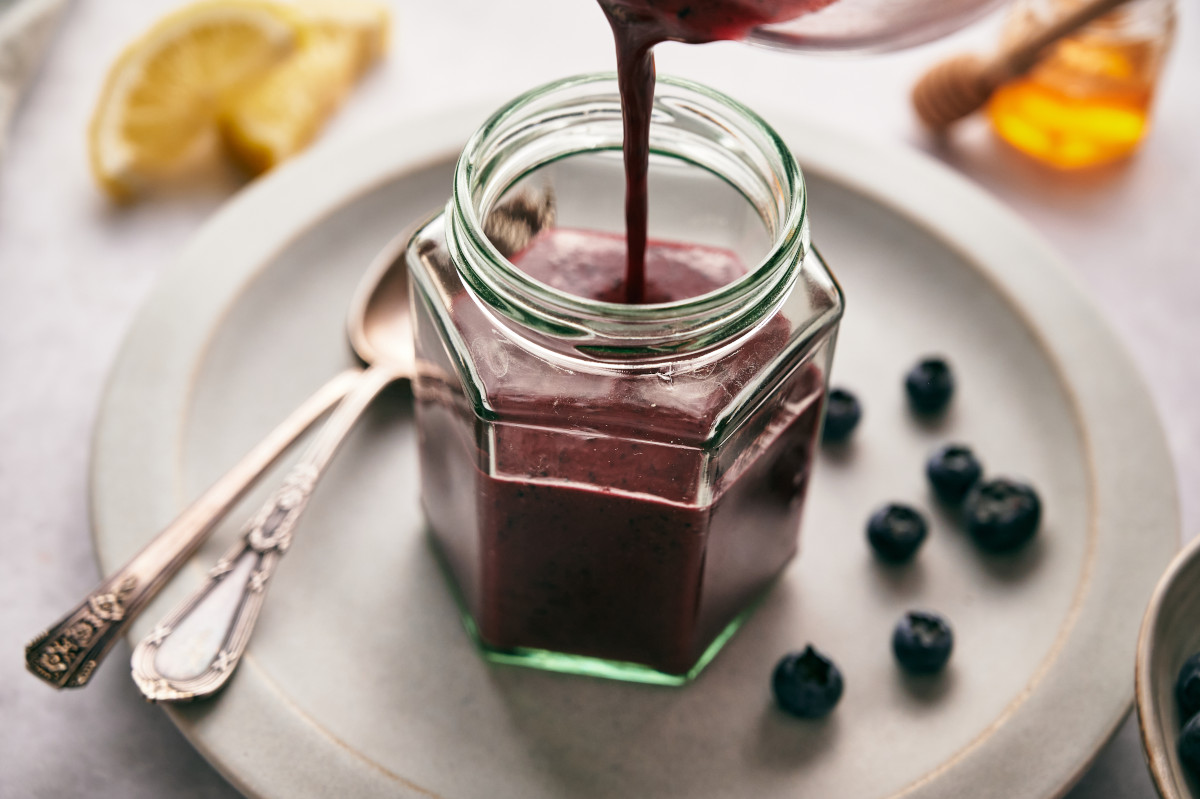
x,y
1087,101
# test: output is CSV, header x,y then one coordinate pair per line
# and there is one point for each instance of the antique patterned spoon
x,y
194,651
67,654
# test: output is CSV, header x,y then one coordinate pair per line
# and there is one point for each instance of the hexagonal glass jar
x,y
612,488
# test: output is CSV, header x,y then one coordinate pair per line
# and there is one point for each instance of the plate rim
x,y
240,240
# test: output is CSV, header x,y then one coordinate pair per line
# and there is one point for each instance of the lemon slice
x,y
280,113
162,97
368,22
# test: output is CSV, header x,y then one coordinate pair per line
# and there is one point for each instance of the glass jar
x,y
611,488
1087,101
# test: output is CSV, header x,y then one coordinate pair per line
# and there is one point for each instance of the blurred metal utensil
x,y
26,28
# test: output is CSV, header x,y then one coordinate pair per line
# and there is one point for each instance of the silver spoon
x,y
194,650
67,654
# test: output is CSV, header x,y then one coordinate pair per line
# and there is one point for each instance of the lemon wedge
x,y
279,113
368,22
162,98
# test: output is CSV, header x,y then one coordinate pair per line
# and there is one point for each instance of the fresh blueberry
x,y
922,642
896,532
1189,745
842,413
1187,687
930,385
807,684
1002,514
952,470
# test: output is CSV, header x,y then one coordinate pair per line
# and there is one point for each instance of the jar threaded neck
x,y
692,124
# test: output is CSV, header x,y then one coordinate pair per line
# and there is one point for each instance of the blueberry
x,y
1187,687
1189,745
807,684
1002,514
929,384
842,412
952,470
896,532
922,642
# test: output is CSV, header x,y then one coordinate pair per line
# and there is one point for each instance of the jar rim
x,y
510,289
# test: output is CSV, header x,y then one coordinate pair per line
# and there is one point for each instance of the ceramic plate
x,y
360,680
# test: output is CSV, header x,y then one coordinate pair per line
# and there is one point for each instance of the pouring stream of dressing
x,y
639,25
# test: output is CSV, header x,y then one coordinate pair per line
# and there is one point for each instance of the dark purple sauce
x,y
639,25
592,265
581,534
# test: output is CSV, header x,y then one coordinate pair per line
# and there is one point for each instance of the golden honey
x,y
1088,100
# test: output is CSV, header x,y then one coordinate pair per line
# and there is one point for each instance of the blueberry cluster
x,y
1000,514
1187,695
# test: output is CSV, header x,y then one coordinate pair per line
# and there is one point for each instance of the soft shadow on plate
x,y
784,743
1015,567
925,692
903,580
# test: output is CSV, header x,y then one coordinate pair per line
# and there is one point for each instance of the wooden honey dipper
x,y
960,86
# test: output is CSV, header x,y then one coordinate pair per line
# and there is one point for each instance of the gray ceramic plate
x,y
361,681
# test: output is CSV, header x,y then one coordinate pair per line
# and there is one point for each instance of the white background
x,y
73,270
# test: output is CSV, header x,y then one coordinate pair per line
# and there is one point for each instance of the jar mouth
x,y
691,123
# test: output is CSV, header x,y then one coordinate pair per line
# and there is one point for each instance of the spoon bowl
x,y
379,323
1170,633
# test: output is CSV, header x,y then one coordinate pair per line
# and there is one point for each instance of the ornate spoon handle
x,y
67,653
193,651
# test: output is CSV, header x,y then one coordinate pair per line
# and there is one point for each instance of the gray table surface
x,y
73,271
